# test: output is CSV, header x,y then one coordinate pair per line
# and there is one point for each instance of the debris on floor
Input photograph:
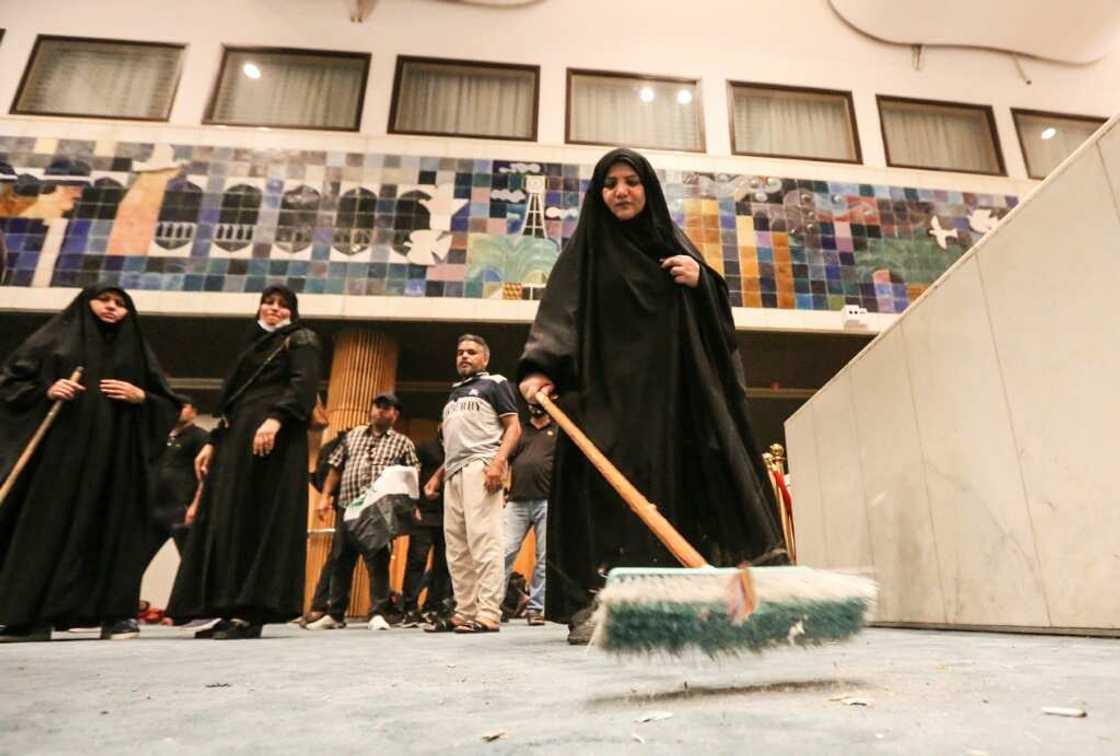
x,y
653,716
1062,711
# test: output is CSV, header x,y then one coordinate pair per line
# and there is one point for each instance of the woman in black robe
x,y
635,336
75,529
244,557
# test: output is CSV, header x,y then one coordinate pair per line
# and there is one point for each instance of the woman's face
x,y
274,310
623,192
109,307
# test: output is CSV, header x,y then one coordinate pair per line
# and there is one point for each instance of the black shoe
x,y
439,625
219,626
582,627
239,629
25,634
411,619
122,630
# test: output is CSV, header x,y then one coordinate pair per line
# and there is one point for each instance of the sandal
x,y
471,627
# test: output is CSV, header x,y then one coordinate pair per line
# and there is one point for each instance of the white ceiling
x,y
1070,31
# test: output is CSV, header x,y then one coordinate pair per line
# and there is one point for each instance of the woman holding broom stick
x,y
635,336
244,557
75,524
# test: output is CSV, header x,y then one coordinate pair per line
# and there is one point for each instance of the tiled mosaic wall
x,y
203,218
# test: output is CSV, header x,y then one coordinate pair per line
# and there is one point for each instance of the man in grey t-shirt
x,y
480,429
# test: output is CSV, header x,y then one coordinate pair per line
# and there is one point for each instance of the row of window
x,y
324,90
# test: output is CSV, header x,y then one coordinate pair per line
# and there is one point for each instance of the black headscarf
x,y
75,338
604,247
258,340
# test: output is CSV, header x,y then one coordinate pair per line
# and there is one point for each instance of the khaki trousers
x,y
473,529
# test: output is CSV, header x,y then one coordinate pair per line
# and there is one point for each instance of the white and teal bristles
x,y
679,611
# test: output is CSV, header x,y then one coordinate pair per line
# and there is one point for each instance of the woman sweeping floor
x,y
244,558
635,335
76,528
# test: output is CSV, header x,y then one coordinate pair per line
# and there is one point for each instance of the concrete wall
x,y
967,453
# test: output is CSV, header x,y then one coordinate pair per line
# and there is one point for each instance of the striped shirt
x,y
364,454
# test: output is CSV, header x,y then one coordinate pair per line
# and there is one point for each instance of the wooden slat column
x,y
364,364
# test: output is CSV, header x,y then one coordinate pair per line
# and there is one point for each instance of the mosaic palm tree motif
x,y
237,220
500,259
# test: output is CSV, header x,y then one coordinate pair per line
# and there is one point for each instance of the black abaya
x,y
246,550
75,530
651,371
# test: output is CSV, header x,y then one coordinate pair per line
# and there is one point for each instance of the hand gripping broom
x,y
33,444
718,611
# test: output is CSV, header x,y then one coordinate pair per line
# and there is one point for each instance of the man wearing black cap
x,y
355,464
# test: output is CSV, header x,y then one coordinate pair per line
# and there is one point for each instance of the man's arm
x,y
431,488
496,470
326,497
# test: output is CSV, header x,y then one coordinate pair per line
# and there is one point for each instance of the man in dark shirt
x,y
527,507
175,481
427,535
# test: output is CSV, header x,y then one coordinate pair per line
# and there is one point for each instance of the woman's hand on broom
x,y
534,383
65,389
202,461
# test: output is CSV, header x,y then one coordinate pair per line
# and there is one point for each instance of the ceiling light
x,y
1049,132
646,93
252,70
684,97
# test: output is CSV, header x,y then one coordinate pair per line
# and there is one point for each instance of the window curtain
x,y
774,122
295,90
472,101
934,136
1044,155
110,79
611,110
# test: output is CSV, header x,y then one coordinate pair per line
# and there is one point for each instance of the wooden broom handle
x,y
646,511
33,444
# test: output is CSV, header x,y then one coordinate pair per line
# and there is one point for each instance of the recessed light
x,y
684,97
252,70
647,94
1049,132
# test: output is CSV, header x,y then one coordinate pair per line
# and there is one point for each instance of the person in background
x,y
427,538
480,429
527,505
355,464
175,482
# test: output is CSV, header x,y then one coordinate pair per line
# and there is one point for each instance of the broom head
x,y
726,611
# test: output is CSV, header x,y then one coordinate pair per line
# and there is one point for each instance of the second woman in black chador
x,y
636,337
244,558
